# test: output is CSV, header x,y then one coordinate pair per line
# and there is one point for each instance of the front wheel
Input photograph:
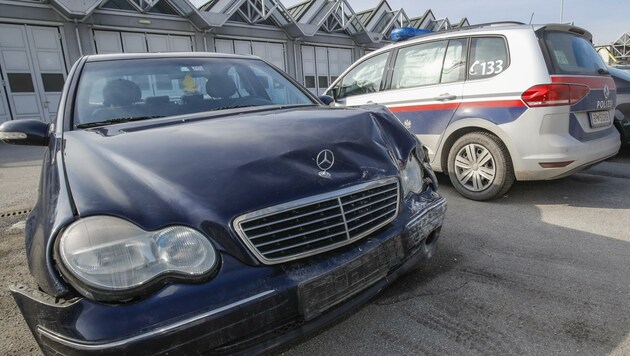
x,y
479,166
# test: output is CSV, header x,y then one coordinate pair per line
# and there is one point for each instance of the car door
x,y
424,88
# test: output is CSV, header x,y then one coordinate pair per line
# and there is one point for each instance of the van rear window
x,y
571,54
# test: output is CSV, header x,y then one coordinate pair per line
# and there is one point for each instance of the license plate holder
x,y
599,118
321,293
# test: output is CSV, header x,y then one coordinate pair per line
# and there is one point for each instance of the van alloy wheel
x,y
474,167
479,166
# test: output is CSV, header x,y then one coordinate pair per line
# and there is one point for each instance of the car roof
x,y
494,28
122,56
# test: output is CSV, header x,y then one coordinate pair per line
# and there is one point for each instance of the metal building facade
x,y
621,48
313,41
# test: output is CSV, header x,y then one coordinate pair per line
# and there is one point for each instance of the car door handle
x,y
445,97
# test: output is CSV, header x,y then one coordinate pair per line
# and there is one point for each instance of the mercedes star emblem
x,y
325,161
606,91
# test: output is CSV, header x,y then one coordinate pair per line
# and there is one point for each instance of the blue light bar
x,y
404,33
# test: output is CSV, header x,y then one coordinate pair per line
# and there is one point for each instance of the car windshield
x,y
138,89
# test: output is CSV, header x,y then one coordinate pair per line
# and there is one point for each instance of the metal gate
x,y
272,52
140,42
322,65
33,71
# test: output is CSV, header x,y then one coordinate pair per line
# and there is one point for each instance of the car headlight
x,y
113,259
412,177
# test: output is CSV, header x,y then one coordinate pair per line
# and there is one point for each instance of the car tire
x,y
480,167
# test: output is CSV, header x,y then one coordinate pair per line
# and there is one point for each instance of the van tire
x,y
480,167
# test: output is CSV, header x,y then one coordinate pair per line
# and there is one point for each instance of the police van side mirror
x,y
25,132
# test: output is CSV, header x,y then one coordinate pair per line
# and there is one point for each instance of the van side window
x,y
454,69
364,78
419,65
488,57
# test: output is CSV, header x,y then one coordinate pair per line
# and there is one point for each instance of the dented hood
x,y
204,172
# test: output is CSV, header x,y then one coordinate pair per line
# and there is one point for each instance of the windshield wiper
x,y
234,107
116,121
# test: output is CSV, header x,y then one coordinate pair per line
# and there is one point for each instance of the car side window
x,y
364,78
488,57
419,65
454,69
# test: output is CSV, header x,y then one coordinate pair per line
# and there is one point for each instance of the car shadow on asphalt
x,y
519,277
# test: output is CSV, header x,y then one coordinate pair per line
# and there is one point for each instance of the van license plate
x,y
599,118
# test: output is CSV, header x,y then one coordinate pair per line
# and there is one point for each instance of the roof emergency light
x,y
404,33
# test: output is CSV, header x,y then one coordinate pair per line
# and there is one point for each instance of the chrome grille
x,y
320,223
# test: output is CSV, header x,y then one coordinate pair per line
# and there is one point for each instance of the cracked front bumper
x,y
266,307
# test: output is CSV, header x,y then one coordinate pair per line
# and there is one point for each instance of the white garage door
x,y
4,108
322,65
270,51
33,72
138,42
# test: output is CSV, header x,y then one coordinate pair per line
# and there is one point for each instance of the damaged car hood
x,y
205,172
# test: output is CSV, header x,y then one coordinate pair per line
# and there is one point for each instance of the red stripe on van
x,y
464,105
592,82
428,107
493,104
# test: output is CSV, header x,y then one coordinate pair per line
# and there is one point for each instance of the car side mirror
x,y
25,132
326,99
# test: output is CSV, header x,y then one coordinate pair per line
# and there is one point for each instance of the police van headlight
x,y
412,176
110,259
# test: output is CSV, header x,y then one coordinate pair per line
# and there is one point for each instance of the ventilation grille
x,y
321,223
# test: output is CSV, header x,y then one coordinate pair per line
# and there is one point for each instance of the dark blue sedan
x,y
205,203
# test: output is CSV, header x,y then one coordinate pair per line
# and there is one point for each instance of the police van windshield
x,y
572,54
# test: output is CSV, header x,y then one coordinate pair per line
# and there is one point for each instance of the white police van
x,y
494,103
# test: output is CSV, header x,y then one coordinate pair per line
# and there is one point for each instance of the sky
x,y
607,20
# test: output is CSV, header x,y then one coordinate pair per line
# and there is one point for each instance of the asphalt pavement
x,y
20,168
19,176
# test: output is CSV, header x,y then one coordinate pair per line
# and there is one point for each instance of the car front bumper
x,y
243,309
